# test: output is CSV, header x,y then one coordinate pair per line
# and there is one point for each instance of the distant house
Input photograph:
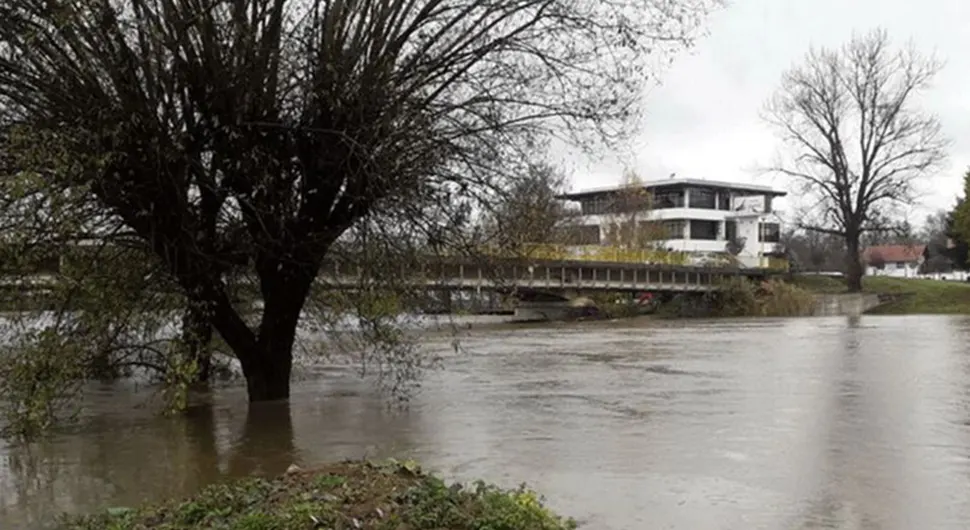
x,y
901,261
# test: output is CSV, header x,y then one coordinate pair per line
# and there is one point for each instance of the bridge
x,y
544,289
551,275
545,276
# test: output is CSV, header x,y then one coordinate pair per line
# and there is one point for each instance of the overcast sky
x,y
703,121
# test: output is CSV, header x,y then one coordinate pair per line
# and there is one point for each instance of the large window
x,y
703,230
623,202
595,206
730,230
724,201
702,198
674,229
769,232
668,199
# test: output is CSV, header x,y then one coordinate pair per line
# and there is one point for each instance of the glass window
x,y
769,232
703,230
674,229
668,199
702,198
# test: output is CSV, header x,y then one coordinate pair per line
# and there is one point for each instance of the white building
x,y
698,216
898,261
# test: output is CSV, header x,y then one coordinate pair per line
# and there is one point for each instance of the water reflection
x,y
266,446
775,424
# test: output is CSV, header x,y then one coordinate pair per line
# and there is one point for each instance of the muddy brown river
x,y
832,423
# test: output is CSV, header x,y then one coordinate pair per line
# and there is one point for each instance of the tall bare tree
x,y
265,130
529,213
859,143
630,224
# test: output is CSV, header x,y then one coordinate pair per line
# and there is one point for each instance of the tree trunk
x,y
266,358
266,354
269,379
853,264
268,372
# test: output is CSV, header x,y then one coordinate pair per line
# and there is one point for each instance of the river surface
x,y
834,423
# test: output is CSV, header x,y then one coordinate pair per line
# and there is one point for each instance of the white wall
x,y
959,276
895,270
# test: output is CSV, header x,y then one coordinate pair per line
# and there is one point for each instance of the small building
x,y
705,218
899,261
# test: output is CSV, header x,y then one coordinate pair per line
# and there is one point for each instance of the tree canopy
x,y
858,144
265,135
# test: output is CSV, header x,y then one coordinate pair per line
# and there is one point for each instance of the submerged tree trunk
x,y
269,378
267,356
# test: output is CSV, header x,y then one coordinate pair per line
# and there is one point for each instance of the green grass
x,y
819,284
918,296
350,495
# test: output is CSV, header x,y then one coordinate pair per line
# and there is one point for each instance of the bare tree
x,y
267,129
859,146
529,213
630,224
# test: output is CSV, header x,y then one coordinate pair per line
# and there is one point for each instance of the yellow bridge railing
x,y
603,253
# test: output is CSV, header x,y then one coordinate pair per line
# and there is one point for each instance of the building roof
x,y
749,189
895,253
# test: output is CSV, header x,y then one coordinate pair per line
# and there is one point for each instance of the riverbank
x,y
349,495
913,296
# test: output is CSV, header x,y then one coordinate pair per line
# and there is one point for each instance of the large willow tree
x,y
261,131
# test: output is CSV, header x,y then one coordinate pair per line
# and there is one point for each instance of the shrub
x,y
742,297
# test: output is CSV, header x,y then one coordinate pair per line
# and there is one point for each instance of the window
x,y
901,265
724,201
674,229
730,230
618,203
703,230
769,232
702,198
668,199
595,206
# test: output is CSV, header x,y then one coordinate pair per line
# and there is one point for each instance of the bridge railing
x,y
612,254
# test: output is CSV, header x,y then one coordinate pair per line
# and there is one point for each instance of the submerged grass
x,y
350,495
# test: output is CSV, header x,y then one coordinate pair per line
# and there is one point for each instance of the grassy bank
x,y
917,296
350,495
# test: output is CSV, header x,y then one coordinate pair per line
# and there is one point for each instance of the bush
x,y
351,495
742,297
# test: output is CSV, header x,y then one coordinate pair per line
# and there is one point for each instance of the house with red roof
x,y
901,261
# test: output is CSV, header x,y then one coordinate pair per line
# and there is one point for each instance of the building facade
x,y
705,218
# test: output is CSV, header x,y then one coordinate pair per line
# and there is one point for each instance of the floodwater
x,y
834,423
